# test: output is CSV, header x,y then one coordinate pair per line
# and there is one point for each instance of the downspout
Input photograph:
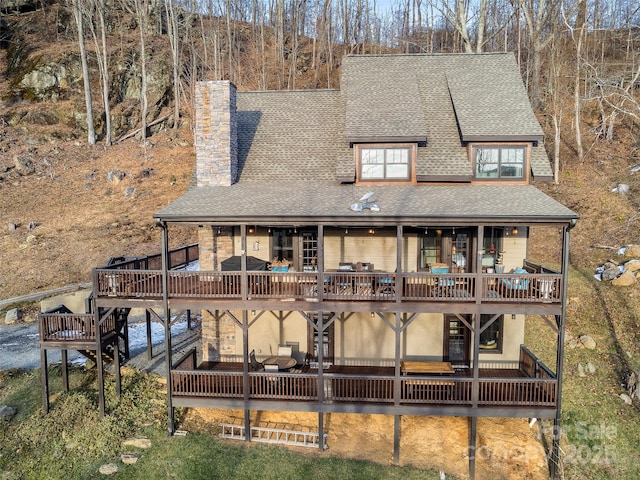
x,y
164,242
554,459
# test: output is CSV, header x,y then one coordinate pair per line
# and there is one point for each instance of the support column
x,y
116,359
554,457
99,363
397,420
147,317
44,379
473,427
245,374
65,369
320,324
167,323
396,385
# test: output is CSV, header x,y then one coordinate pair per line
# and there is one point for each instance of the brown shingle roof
x,y
294,152
291,136
329,202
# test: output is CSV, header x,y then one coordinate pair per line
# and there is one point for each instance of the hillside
x,y
81,214
71,206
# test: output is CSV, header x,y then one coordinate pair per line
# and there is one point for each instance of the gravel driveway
x,y
20,345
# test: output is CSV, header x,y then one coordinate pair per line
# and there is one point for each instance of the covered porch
x,y
525,384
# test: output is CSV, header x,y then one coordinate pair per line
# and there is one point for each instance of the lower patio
x,y
527,384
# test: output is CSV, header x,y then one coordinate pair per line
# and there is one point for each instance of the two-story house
x,y
365,249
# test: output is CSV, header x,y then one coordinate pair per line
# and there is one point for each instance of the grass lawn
x,y
599,431
72,442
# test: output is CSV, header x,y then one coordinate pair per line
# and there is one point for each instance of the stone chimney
x,y
216,133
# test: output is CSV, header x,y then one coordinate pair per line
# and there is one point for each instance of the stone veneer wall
x,y
216,133
216,144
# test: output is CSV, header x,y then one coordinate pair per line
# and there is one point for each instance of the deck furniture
x,y
426,368
282,361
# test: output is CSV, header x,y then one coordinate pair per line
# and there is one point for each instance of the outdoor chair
x,y
255,365
285,350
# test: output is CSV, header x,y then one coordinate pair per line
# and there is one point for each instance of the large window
x,y
282,245
499,162
385,163
491,337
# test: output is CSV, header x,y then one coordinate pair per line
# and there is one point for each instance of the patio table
x,y
284,363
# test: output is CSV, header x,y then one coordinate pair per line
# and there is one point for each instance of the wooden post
x,y
554,458
65,369
167,322
99,364
44,378
147,316
397,419
116,359
473,427
245,374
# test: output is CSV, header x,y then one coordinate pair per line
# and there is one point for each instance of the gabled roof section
x,y
286,137
540,167
489,99
382,100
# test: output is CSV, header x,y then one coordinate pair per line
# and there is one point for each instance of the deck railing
x,y
73,327
523,392
178,258
353,286
187,381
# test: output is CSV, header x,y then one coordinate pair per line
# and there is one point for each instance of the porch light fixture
x,y
346,231
514,231
253,312
426,231
252,229
513,316
219,231
371,231
373,315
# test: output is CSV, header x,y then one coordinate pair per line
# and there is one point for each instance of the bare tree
x,y
144,107
102,54
78,13
539,16
173,33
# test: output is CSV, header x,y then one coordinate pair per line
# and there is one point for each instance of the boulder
x,y
625,280
138,442
108,469
12,316
129,458
115,176
581,372
588,342
610,273
632,251
626,398
632,265
6,412
633,384
24,165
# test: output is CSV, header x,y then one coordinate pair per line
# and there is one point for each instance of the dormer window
x,y
385,163
499,162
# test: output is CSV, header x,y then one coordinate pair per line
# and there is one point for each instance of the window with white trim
x,y
385,163
499,162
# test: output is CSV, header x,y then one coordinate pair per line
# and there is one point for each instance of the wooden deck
x,y
357,286
365,385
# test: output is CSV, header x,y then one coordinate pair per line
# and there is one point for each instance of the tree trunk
x,y
78,14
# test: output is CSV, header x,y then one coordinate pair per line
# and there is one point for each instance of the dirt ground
x,y
506,448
